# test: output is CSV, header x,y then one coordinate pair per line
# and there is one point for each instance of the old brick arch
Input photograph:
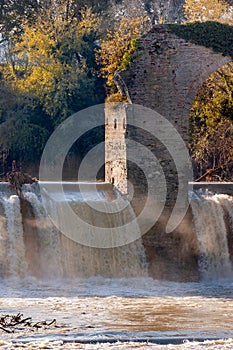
x,y
165,76
168,73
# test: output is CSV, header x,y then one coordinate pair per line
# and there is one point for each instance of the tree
x,y
213,151
24,130
207,10
215,99
52,63
13,13
118,47
49,72
212,126
211,122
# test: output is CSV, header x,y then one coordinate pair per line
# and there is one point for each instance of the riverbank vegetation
x,y
211,117
57,57
117,49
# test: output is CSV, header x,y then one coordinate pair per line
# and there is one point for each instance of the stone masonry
x,y
164,77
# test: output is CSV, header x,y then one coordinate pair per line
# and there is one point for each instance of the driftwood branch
x,y
212,171
9,324
6,330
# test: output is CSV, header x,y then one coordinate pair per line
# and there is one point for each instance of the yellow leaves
x,y
38,74
89,21
116,97
118,43
212,122
207,10
49,59
37,47
214,96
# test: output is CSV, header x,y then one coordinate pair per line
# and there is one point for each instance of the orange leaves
x,y
118,43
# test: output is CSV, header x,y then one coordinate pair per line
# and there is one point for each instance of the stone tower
x,y
115,146
164,77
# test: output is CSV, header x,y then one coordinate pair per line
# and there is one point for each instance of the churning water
x,y
103,298
54,254
210,213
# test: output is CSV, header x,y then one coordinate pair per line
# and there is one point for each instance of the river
x,y
128,311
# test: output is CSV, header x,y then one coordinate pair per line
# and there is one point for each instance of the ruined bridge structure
x,y
164,76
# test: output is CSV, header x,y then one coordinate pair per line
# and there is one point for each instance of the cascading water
x,y
209,214
46,252
12,248
31,244
48,237
100,311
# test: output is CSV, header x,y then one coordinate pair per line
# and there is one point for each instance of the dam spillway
x,y
31,244
213,215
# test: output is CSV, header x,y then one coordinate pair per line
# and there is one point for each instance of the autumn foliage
x,y
49,61
49,72
206,10
117,48
211,123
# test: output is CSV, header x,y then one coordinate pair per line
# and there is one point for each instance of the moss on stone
x,y
128,55
214,35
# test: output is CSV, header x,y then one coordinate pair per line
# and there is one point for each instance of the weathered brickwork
x,y
165,77
168,74
115,146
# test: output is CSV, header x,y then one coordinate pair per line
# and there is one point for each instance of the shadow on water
x,y
128,288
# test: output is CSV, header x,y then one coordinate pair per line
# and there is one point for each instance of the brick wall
x,y
165,76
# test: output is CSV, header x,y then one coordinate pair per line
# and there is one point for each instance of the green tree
x,y
52,63
24,130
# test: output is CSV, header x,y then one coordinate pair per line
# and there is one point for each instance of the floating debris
x,y
12,323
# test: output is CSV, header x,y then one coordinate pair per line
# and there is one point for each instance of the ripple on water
x,y
107,310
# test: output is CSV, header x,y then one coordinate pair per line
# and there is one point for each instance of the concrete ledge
x,y
216,187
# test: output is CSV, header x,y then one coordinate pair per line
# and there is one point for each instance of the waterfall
x,y
209,215
12,248
48,237
32,244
